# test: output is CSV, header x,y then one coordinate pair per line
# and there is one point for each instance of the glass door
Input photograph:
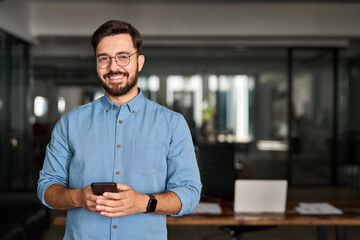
x,y
4,148
312,106
15,107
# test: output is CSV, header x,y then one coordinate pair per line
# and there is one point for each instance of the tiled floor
x,y
275,233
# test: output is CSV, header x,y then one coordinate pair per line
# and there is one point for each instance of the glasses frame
x,y
108,64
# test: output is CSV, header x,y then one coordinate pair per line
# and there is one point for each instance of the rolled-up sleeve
x,y
56,163
183,171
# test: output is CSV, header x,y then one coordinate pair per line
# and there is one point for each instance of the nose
x,y
113,64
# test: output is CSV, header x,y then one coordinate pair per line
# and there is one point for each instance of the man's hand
x,y
63,198
87,199
123,203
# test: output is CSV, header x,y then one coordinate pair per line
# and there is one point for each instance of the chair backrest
x,y
218,174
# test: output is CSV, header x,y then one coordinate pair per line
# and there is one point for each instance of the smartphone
x,y
99,188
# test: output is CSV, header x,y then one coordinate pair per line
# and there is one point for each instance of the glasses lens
x,y
122,59
102,61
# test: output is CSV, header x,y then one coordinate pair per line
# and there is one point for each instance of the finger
x,y
122,187
90,203
102,208
99,197
91,206
116,196
91,197
118,214
110,203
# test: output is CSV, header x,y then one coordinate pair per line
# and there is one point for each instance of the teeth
x,y
117,77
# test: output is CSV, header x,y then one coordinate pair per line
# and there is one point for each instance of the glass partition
x,y
312,117
4,149
16,154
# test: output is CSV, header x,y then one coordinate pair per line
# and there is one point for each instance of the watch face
x,y
152,205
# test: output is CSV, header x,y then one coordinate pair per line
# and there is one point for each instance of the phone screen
x,y
99,188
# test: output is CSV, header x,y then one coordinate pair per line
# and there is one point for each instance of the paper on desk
x,y
317,208
207,208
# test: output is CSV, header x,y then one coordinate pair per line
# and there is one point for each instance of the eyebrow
x,y
123,52
105,54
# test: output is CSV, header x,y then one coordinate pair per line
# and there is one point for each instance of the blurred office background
x,y
272,86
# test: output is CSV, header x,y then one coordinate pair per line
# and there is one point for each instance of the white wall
x,y
187,19
14,18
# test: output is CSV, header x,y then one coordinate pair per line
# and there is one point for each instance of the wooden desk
x,y
350,217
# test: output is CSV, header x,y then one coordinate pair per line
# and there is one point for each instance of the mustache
x,y
126,74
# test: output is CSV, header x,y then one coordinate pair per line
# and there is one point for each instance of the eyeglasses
x,y
122,59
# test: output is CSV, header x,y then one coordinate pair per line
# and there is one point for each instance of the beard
x,y
114,89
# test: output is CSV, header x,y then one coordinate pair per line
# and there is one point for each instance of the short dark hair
x,y
114,27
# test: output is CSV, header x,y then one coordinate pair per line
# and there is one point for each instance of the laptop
x,y
257,196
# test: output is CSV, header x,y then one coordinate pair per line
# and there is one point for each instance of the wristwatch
x,y
151,207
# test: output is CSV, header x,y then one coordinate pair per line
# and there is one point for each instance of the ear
x,y
141,61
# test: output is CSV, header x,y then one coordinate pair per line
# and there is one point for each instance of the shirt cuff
x,y
41,193
188,201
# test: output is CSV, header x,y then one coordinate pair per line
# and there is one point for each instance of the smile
x,y
117,77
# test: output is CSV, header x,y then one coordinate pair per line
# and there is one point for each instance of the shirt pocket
x,y
145,157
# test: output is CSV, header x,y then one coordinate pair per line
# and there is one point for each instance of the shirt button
x,y
107,110
117,172
118,146
114,227
133,111
116,107
120,121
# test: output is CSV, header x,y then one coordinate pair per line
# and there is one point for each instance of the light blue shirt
x,y
141,144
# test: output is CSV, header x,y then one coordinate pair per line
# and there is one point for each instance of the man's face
x,y
116,80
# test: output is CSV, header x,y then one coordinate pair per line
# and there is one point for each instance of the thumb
x,y
122,187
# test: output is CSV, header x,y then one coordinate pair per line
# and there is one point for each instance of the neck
x,y
124,98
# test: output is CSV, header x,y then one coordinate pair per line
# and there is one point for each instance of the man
x,y
124,138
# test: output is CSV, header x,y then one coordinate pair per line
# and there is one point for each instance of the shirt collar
x,y
133,106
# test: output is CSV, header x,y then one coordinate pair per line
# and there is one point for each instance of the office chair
x,y
218,175
216,165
